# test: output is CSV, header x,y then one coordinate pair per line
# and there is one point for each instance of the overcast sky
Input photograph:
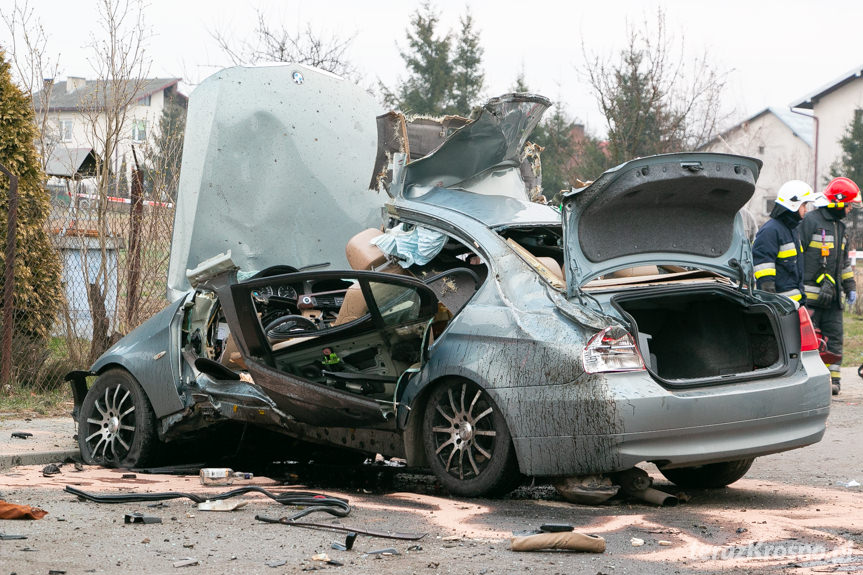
x,y
775,52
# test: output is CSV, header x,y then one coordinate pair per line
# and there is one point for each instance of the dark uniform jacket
x,y
836,266
776,254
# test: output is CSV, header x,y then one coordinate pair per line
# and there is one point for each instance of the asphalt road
x,y
793,513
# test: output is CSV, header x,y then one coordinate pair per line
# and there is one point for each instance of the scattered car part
x,y
221,505
586,489
556,527
8,537
221,476
316,502
572,541
51,469
384,551
187,562
138,517
334,527
347,545
21,434
635,482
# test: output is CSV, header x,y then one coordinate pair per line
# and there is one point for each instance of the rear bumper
x,y
627,418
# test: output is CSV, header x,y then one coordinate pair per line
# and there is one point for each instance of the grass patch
x,y
22,402
852,350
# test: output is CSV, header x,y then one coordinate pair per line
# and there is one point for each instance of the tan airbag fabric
x,y
566,540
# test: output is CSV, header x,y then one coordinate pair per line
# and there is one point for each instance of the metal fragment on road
x,y
187,562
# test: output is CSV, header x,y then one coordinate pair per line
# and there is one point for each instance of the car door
x,y
338,352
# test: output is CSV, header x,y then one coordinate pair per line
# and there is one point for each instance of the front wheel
x,y
708,476
116,425
467,443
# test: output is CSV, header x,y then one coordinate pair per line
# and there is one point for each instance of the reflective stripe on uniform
x,y
787,250
812,291
822,276
792,294
814,244
847,273
762,270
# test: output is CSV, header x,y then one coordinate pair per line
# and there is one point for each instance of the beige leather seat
x,y
363,255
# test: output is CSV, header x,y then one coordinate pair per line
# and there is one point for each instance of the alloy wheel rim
x,y
111,424
464,433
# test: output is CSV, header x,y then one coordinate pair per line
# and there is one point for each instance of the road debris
x,y
586,489
7,537
852,483
187,562
387,551
13,511
276,563
569,540
664,543
347,545
21,434
140,518
221,505
51,469
636,542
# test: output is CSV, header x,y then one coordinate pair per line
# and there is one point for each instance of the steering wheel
x,y
283,327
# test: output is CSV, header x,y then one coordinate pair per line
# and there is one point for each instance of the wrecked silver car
x,y
472,331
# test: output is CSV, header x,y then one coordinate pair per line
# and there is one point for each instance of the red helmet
x,y
841,191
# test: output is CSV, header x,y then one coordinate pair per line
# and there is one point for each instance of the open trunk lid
x,y
677,209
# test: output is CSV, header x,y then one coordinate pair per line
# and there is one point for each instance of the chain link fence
x,y
114,254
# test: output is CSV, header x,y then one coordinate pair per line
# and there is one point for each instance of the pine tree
x,y
166,152
37,293
850,165
428,87
467,68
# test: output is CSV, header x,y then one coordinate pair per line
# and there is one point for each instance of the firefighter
x,y
777,250
827,273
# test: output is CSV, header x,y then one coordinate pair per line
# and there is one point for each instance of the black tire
x,y
710,476
116,426
467,443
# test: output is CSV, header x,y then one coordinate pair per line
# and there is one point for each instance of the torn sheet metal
x,y
265,153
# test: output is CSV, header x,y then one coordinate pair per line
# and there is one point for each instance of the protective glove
x,y
852,297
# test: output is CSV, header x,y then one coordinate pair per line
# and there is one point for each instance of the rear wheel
x,y
467,443
708,476
116,426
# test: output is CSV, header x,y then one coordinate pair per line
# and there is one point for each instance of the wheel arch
x,y
412,427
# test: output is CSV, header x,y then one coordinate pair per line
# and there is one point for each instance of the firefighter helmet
x,y
793,194
841,191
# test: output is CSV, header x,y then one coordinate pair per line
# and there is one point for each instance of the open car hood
x,y
275,169
678,209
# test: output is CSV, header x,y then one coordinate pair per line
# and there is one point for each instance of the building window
x,y
139,130
65,130
145,101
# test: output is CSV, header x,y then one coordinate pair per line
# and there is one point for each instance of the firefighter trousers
x,y
829,321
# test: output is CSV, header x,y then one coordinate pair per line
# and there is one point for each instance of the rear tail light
x,y
612,349
808,338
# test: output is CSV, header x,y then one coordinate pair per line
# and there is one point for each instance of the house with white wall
x,y
76,116
780,138
833,107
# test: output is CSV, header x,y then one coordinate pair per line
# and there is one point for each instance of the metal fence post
x,y
9,278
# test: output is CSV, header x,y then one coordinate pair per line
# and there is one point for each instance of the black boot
x,y
836,386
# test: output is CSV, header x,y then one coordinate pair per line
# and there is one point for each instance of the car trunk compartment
x,y
688,337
